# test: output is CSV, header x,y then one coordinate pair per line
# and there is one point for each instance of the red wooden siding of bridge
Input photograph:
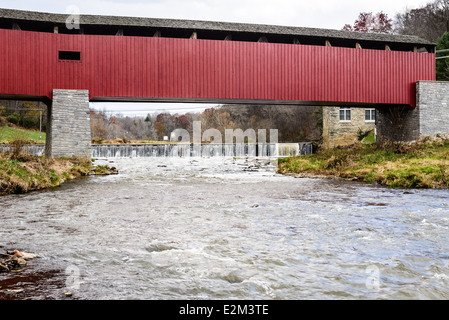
x,y
145,67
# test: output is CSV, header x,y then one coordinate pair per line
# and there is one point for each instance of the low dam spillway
x,y
188,150
203,150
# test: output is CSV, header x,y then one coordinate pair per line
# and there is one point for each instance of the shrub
x,y
363,134
3,122
17,147
97,140
30,123
14,118
336,161
19,140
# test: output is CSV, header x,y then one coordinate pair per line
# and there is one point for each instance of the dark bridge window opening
x,y
70,55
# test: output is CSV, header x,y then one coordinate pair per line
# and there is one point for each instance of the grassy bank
x,y
21,173
8,134
30,173
424,164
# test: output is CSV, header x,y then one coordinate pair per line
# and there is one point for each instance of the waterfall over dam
x,y
34,150
203,150
188,150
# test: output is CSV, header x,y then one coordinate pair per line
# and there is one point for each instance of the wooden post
x,y
40,125
422,50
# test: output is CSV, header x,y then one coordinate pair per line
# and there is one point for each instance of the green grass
x,y
370,138
422,165
12,167
10,133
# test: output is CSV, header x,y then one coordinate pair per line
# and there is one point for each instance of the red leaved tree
x,y
369,22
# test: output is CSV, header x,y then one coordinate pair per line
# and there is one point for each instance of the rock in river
x,y
14,261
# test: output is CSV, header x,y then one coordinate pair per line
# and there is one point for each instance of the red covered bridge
x,y
141,59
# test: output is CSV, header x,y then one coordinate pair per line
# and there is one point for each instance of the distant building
x,y
341,124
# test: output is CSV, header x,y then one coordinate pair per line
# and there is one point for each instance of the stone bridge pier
x,y
68,124
429,118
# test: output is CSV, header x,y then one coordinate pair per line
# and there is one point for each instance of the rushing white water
x,y
187,150
203,150
171,228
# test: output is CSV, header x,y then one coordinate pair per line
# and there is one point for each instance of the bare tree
x,y
429,22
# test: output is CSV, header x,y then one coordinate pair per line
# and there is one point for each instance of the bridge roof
x,y
273,32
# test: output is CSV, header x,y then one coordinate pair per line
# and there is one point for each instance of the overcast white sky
x,y
332,14
304,13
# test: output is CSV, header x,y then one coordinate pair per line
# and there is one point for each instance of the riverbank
x,y
423,164
25,173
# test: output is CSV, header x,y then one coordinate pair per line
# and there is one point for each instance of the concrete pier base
x,y
68,124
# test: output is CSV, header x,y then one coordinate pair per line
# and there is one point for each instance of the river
x,y
172,228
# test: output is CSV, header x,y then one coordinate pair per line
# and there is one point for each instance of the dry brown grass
x,y
34,173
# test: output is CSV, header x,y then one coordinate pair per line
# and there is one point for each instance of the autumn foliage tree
x,y
160,129
370,22
183,121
